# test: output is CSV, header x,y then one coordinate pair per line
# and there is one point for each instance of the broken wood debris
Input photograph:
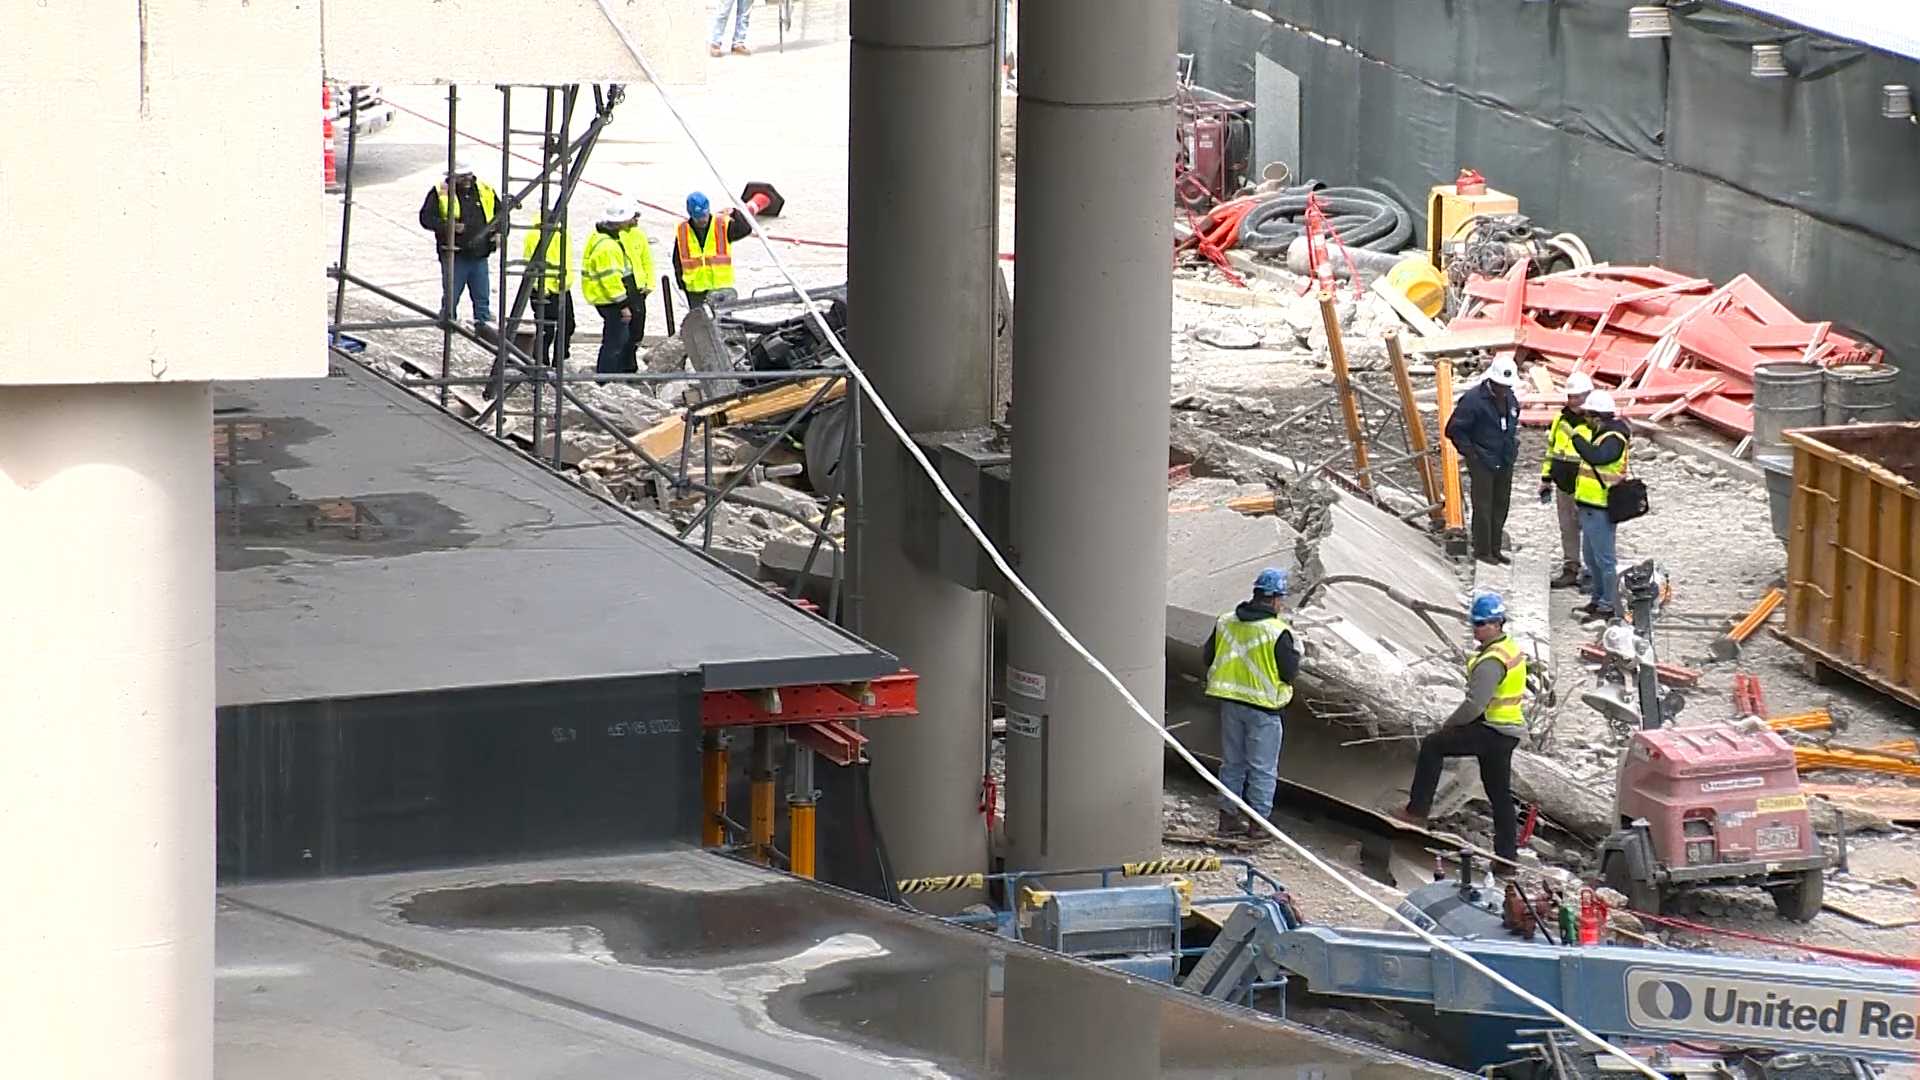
x,y
1670,674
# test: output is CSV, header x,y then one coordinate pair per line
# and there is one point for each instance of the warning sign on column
x,y
1019,723
1026,683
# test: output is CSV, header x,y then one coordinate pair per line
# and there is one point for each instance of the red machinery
x,y
1713,803
1213,154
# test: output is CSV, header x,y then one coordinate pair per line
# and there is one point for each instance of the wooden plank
x,y
1415,426
1897,804
771,404
1465,340
1454,514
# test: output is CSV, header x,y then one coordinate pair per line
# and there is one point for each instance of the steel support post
x,y
922,133
760,796
802,801
1091,375
107,706
713,789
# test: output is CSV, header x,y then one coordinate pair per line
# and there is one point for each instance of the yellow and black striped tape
x,y
947,883
1185,864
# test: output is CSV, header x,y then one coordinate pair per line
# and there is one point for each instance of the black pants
x,y
555,313
1495,751
619,339
1491,490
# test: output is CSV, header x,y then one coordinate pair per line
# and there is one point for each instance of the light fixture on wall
x,y
1768,63
1896,102
1649,21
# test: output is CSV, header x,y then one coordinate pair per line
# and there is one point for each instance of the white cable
x,y
1060,629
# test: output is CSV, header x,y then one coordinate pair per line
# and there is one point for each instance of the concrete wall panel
x,y
394,42
160,184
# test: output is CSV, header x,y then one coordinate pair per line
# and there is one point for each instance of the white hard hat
x,y
1600,402
1503,371
464,167
1579,383
620,209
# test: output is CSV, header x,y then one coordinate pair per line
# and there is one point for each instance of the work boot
x,y
715,50
1407,817
742,50
1568,578
1232,824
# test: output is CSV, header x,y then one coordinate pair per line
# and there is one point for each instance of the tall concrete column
x,y
922,200
106,709
1092,319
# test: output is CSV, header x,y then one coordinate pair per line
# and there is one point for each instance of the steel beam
x,y
1092,315
922,202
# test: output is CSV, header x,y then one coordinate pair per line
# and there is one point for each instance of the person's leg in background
x,y
1606,584
471,274
1502,502
722,15
1566,511
1263,759
637,329
613,337
1496,775
1233,760
1435,749
566,329
743,11
1480,505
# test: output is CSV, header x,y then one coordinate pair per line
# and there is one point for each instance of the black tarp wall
x,y
1665,151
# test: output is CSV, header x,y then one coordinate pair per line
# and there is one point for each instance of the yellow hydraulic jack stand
x,y
760,820
713,790
801,805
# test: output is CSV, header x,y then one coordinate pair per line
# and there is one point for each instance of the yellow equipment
x,y
1448,213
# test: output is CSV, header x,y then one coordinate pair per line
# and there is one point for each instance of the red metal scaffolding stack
x,y
1663,343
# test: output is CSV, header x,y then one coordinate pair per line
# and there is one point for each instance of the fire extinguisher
x,y
1593,915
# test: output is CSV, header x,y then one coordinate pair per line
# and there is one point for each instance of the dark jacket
x,y
1605,453
1286,654
1485,428
738,229
473,242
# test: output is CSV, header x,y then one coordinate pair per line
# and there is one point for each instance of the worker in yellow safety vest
x,y
552,302
1488,725
703,251
1252,659
1603,461
464,225
1558,471
615,271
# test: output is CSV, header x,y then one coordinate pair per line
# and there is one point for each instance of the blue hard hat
x,y
1488,607
697,205
1271,582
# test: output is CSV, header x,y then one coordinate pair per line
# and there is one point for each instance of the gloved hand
x,y
1546,492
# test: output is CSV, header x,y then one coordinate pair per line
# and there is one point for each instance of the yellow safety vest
x,y
1244,668
602,267
1504,710
1560,443
1589,490
706,266
639,255
486,201
557,275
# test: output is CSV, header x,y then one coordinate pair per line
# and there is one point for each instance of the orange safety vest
x,y
707,266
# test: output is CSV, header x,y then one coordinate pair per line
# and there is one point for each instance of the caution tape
x,y
946,883
1188,864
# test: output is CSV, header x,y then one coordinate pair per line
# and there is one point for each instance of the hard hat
x,y
1579,383
1503,371
1600,402
464,167
1487,608
620,209
1271,582
697,205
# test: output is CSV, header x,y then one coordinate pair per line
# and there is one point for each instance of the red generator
x,y
1213,147
1713,804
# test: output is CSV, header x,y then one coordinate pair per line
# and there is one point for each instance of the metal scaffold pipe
x,y
1091,374
922,132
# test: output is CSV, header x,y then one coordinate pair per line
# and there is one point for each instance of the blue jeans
x,y
1598,552
1249,754
725,9
616,342
472,276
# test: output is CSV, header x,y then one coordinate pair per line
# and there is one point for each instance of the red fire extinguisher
x,y
1593,915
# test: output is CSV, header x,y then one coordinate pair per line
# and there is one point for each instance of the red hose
x,y
1907,962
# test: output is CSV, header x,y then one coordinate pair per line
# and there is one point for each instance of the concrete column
x,y
106,710
922,199
1092,314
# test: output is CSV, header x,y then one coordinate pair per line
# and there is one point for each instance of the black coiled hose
x,y
1364,218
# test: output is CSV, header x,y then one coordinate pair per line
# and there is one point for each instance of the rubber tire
x,y
822,445
1642,896
1801,901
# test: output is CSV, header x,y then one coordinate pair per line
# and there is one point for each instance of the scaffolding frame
x,y
540,368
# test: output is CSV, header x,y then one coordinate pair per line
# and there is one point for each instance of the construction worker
x,y
1252,660
1487,725
614,271
463,226
552,300
703,251
1485,428
1603,459
737,12
1558,471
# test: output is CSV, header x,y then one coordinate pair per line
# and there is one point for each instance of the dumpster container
x,y
1853,554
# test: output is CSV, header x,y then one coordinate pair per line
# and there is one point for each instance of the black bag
x,y
1626,499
